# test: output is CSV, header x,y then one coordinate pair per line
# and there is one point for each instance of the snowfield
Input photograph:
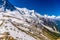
x,y
25,24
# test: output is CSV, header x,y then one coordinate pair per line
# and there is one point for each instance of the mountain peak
x,y
5,4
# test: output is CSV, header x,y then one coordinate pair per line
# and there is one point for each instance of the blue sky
x,y
49,7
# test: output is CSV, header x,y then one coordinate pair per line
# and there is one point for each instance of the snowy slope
x,y
14,32
21,23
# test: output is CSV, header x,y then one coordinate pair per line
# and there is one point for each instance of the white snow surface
x,y
24,17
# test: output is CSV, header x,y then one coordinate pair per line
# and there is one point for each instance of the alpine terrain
x,y
24,24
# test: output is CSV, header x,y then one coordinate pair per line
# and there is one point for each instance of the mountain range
x,y
24,24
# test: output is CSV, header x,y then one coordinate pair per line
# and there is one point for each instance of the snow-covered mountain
x,y
25,24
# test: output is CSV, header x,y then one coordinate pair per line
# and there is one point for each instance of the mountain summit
x,y
24,24
4,5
